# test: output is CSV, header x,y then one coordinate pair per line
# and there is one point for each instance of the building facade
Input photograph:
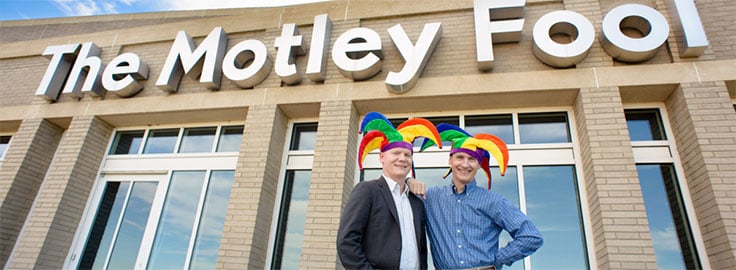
x,y
228,138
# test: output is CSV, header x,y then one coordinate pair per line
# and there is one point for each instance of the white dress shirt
x,y
409,250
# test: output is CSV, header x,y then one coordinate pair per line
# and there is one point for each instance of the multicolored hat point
x,y
378,132
481,147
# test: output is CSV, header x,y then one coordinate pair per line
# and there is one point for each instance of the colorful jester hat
x,y
378,132
478,146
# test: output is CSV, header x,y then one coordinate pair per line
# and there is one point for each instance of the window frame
x,y
292,160
665,152
142,166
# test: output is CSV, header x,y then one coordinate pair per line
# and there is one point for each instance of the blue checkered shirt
x,y
464,228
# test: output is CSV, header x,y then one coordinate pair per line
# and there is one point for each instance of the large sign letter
x,y
61,57
357,53
316,67
415,57
496,21
644,19
249,51
131,69
184,59
568,23
288,45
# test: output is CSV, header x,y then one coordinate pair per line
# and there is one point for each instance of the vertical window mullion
x,y
144,141
179,138
197,218
515,124
216,141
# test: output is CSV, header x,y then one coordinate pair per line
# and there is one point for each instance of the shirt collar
x,y
392,185
470,185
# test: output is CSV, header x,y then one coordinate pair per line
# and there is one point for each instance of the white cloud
x,y
85,7
99,7
216,4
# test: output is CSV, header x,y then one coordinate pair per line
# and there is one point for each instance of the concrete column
x,y
22,171
248,221
333,176
48,233
704,126
620,228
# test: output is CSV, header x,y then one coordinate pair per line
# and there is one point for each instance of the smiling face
x,y
396,163
463,167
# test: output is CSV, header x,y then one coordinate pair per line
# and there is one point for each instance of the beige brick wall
x,y
333,176
22,171
620,230
704,126
248,221
48,233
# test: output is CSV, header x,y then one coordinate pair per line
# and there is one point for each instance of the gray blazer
x,y
369,235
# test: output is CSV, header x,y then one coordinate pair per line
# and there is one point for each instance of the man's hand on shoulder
x,y
417,187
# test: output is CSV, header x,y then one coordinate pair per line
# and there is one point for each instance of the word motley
x,y
76,69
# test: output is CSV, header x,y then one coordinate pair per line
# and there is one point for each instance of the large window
x,y
291,210
165,211
167,140
541,170
669,225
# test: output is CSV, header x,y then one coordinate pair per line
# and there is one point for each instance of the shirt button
x,y
459,246
458,231
462,262
458,200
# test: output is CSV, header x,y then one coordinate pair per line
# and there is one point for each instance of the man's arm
x,y
350,235
526,239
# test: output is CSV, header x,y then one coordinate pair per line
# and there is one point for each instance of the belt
x,y
489,267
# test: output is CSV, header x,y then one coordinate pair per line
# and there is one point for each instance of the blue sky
x,y
35,9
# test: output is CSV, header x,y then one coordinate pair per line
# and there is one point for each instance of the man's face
x,y
396,163
463,167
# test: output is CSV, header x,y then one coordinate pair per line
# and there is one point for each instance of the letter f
x,y
496,21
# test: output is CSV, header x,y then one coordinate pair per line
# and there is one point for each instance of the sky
x,y
36,9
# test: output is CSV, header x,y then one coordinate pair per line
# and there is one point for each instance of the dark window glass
x,y
126,242
127,142
645,125
4,142
292,216
161,141
668,222
304,136
501,125
198,140
552,203
544,128
230,139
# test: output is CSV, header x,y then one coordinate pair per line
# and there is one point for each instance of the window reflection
x,y
645,125
552,204
230,139
500,125
212,221
304,136
198,140
544,128
127,142
177,218
161,141
292,216
668,222
4,141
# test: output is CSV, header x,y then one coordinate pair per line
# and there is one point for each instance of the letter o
x,y
562,22
246,51
644,19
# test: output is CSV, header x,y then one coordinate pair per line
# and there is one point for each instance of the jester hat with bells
x,y
378,132
481,147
